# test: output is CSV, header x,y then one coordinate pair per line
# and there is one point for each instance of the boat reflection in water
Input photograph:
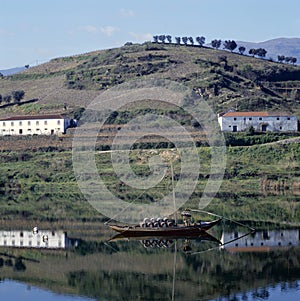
x,y
168,241
260,241
37,239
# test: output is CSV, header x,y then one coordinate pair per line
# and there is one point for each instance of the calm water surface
x,y
14,291
260,266
279,292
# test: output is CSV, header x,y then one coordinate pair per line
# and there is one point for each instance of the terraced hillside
x,y
225,80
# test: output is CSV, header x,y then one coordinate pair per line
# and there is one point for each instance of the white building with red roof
x,y
34,125
260,121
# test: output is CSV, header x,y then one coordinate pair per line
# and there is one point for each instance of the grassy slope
x,y
42,185
77,80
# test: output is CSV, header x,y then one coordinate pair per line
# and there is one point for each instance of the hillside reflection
x,y
231,266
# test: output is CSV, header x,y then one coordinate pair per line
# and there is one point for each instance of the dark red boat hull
x,y
174,231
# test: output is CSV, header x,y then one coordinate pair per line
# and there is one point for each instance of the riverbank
x,y
261,182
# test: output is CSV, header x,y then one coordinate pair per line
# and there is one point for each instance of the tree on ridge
x,y
200,40
230,45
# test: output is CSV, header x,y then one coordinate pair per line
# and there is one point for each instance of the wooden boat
x,y
170,231
203,236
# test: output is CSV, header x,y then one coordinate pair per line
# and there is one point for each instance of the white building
x,y
260,121
42,239
34,125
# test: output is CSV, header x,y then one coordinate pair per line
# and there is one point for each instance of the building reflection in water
x,y
36,239
260,241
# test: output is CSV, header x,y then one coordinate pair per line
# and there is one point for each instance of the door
x,y
234,128
264,127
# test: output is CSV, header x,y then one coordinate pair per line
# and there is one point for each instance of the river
x,y
86,265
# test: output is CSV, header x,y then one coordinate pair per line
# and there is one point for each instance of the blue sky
x,y
34,31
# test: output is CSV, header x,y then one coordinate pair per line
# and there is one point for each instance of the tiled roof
x,y
255,114
33,117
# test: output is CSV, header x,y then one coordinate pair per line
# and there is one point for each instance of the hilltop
x,y
226,80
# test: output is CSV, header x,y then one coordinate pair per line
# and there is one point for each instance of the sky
x,y
33,32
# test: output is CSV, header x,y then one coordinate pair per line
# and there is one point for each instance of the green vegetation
x,y
250,138
15,95
260,183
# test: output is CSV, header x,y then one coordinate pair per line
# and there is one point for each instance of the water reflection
x,y
36,239
13,290
260,241
185,268
283,291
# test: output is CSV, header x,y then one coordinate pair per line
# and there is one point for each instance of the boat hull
x,y
174,231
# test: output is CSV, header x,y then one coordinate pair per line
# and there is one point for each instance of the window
x,y
288,118
12,123
58,122
28,123
45,122
250,118
260,118
277,118
37,122
3,123
20,122
234,118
